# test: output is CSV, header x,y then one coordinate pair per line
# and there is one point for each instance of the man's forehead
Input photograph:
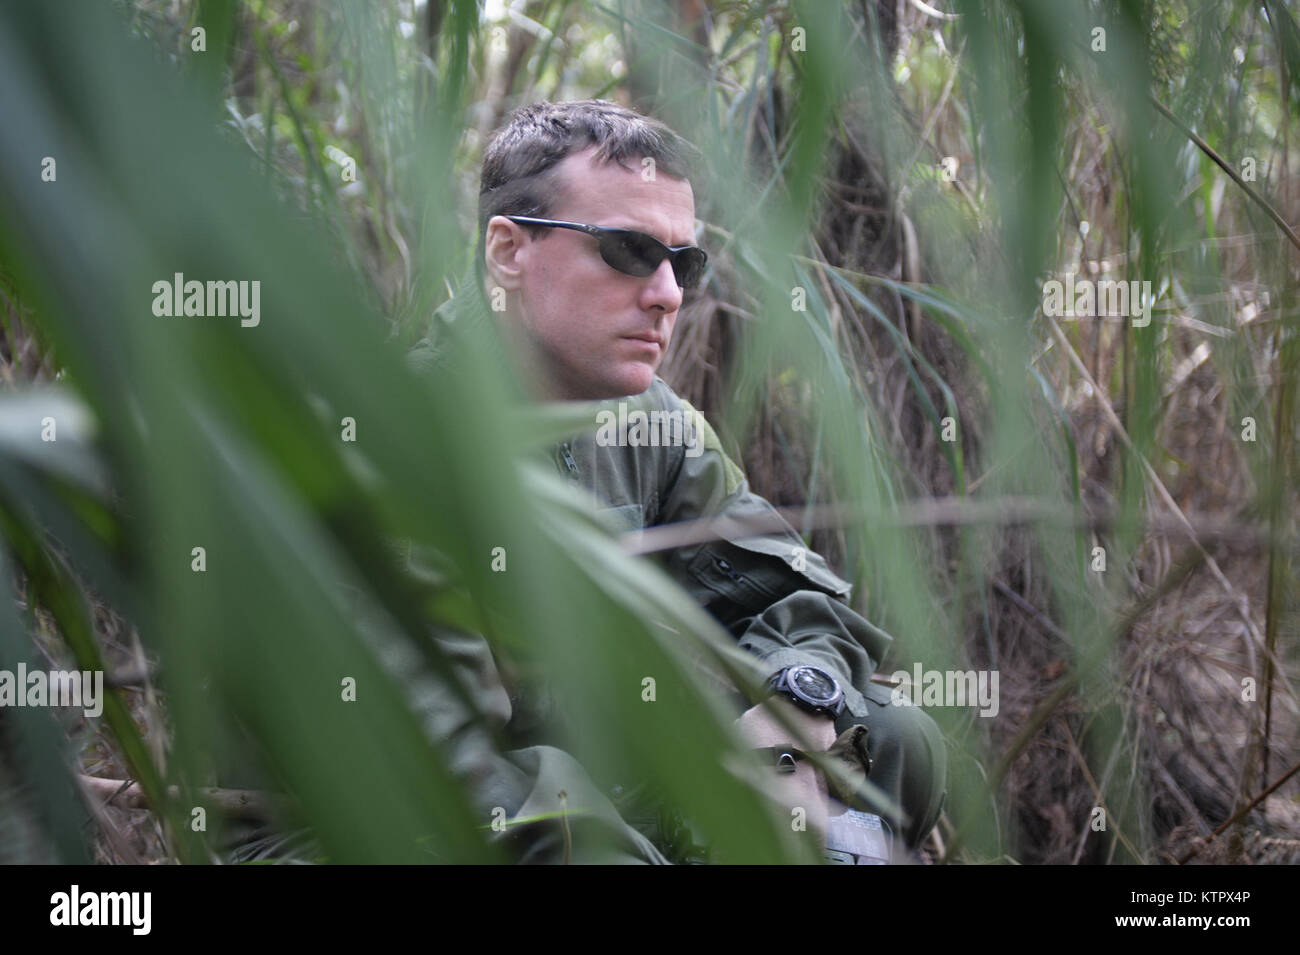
x,y
610,194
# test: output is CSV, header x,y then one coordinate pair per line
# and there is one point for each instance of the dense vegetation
x,y
1101,508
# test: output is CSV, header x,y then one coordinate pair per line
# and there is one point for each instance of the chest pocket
x,y
746,577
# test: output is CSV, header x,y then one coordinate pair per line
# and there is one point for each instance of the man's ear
x,y
501,247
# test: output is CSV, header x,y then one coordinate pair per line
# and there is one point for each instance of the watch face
x,y
814,684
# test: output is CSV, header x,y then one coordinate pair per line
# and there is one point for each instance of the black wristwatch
x,y
810,688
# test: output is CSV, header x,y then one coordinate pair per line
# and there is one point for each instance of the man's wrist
x,y
810,732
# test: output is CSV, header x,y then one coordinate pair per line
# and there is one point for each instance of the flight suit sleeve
x,y
579,823
776,595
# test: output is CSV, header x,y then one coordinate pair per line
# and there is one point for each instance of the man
x,y
584,259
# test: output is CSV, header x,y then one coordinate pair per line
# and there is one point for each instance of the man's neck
x,y
530,364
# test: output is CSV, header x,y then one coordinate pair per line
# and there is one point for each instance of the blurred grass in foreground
x,y
203,433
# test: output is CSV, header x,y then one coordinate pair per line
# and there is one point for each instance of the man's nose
x,y
662,290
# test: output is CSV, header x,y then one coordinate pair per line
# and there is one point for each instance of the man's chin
x,y
632,381
628,380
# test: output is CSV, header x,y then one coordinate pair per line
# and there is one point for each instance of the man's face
x,y
597,332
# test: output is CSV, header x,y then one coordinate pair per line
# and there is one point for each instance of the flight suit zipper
x,y
725,568
566,458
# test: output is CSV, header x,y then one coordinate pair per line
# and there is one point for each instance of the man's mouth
x,y
648,339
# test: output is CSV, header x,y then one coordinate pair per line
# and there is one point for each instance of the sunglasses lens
x,y
635,253
631,252
688,266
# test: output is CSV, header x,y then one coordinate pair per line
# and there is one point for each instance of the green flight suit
x,y
777,597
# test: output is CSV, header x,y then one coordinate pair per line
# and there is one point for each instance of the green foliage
x,y
231,164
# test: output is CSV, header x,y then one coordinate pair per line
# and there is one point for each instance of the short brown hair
x,y
518,176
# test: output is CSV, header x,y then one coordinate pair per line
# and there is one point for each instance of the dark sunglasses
x,y
635,253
